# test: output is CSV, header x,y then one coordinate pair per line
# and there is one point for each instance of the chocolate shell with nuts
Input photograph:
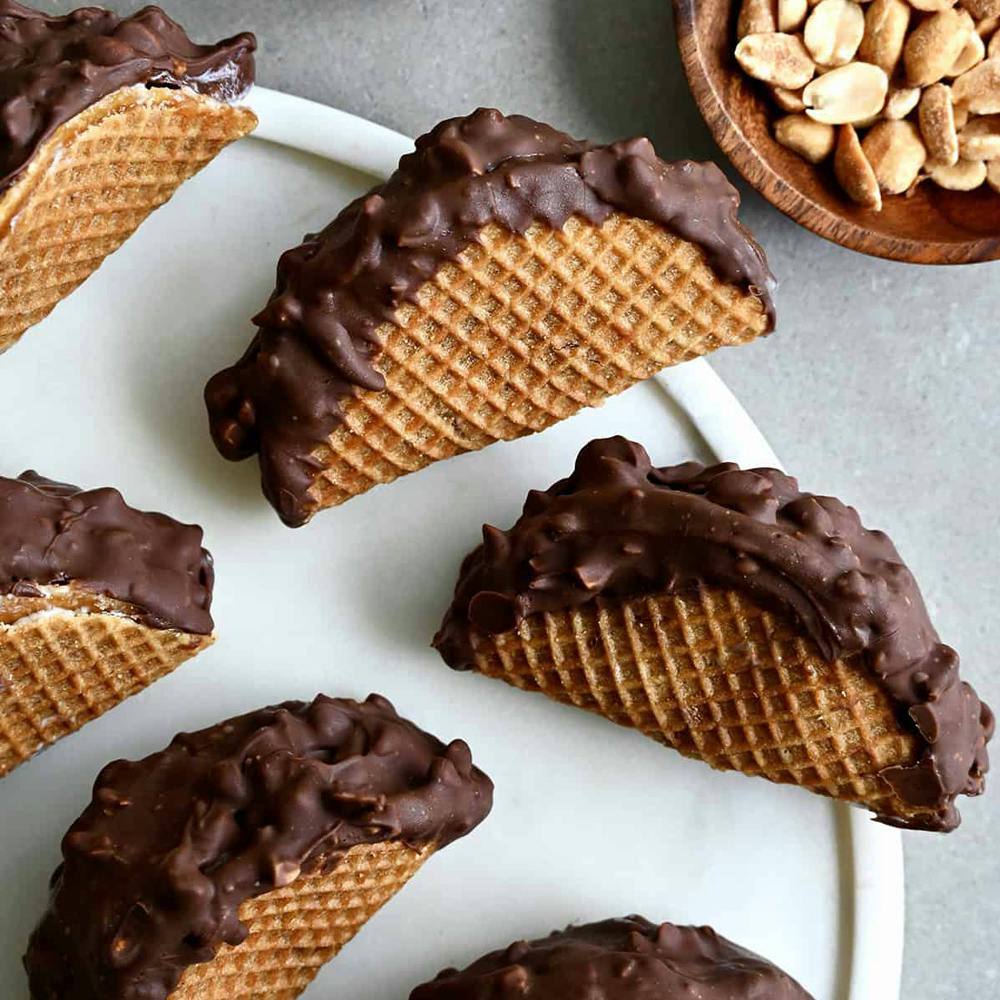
x,y
233,864
97,601
626,959
731,616
505,276
102,118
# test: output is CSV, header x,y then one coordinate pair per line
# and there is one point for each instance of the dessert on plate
x,y
97,601
624,959
505,276
102,118
727,614
234,863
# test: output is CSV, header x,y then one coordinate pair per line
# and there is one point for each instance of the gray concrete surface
x,y
880,386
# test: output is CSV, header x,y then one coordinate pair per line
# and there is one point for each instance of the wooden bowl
x,y
931,226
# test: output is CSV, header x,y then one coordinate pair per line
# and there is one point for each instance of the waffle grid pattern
x,y
523,331
294,931
718,679
60,670
91,186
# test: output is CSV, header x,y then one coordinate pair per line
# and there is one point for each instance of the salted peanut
x,y
934,46
982,9
792,14
937,124
960,114
980,139
987,27
776,58
812,140
896,153
993,49
979,89
993,175
834,31
972,55
853,171
931,6
966,175
886,22
757,17
788,100
900,102
847,95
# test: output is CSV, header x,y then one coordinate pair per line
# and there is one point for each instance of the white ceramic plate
x,y
590,820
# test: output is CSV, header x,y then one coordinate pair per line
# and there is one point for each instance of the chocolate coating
x,y
52,68
627,959
155,870
53,534
317,340
619,528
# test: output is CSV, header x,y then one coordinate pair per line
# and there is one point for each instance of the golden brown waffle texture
x,y
93,183
294,931
523,331
712,675
62,666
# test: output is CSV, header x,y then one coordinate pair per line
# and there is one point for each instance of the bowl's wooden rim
x,y
783,194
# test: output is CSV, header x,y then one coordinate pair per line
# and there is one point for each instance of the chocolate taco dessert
x,y
102,118
627,959
233,864
733,617
505,276
97,601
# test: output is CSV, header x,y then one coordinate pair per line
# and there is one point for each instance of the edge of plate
x,y
874,909
875,921
334,135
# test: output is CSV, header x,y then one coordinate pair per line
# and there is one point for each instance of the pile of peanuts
x,y
896,91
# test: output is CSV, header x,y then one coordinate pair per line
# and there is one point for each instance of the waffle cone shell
x,y
712,675
295,930
67,658
521,332
92,183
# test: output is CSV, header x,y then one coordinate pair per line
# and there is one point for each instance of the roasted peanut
x,y
901,101
933,47
979,89
993,175
886,22
757,17
937,125
853,171
788,100
792,14
776,58
812,140
982,9
834,31
966,175
846,95
896,154
980,139
972,55
987,26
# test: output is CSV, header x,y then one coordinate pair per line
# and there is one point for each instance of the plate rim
x,y
873,887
